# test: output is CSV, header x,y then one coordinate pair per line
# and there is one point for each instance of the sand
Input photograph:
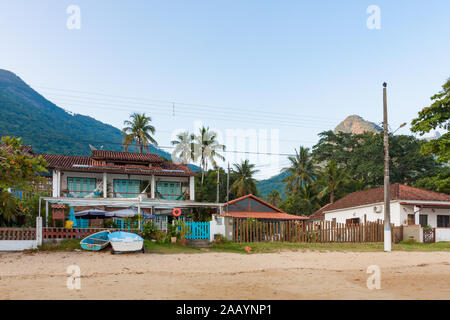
x,y
283,275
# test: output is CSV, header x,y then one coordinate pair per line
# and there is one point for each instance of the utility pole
x,y
387,187
218,175
228,187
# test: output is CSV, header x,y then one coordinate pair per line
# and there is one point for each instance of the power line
x,y
117,143
191,114
182,103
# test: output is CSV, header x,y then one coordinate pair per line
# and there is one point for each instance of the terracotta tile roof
x,y
86,164
125,156
24,148
376,195
277,215
266,215
319,214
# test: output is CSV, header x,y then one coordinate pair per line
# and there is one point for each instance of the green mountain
x,y
274,183
49,128
352,124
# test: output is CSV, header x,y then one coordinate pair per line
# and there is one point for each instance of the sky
x,y
276,72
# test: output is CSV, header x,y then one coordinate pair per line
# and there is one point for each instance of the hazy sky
x,y
297,66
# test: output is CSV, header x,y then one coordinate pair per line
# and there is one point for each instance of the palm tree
x,y
206,149
184,147
138,128
331,177
244,183
274,198
301,170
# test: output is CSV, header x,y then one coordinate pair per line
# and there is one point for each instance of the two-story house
x,y
113,174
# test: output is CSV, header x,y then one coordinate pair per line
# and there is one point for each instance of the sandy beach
x,y
283,275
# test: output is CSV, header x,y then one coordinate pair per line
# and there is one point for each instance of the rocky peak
x,y
356,124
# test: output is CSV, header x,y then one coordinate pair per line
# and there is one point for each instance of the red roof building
x,y
114,174
408,205
250,206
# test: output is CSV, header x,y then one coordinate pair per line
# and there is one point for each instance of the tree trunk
x,y
332,194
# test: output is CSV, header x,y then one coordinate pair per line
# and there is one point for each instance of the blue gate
x,y
197,230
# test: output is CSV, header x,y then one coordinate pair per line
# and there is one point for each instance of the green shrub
x,y
149,230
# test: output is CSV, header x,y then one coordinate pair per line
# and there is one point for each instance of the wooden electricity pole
x,y
228,186
218,180
387,187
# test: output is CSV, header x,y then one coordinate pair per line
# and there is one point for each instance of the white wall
x,y
431,213
224,226
368,210
399,213
442,234
17,245
216,226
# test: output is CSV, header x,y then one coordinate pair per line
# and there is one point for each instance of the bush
x,y
220,239
149,230
110,224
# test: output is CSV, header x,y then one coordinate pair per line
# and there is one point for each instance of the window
x,y
443,221
411,219
352,221
170,190
423,220
80,187
127,188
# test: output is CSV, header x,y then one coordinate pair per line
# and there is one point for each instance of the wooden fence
x,y
76,233
17,233
246,230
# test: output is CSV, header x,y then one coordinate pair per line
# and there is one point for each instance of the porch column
x,y
416,215
46,213
55,183
105,185
192,188
153,187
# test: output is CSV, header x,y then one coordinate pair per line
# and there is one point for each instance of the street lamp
x,y
401,126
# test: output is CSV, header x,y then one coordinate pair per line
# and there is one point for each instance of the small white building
x,y
409,206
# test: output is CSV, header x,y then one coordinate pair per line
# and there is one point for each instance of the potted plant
x,y
172,233
182,232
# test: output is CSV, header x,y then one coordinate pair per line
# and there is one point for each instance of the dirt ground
x,y
284,275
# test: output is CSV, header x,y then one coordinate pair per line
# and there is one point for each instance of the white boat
x,y
125,242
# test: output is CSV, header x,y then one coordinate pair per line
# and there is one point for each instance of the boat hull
x,y
96,241
125,242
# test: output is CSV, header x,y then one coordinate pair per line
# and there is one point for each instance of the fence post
x,y
39,231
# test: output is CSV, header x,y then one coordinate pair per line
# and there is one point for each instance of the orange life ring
x,y
176,212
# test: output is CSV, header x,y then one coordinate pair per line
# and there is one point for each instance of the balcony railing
x,y
81,194
115,194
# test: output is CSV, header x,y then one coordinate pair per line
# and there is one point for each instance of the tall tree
x,y
330,178
244,183
18,170
274,198
138,129
362,155
301,170
206,149
184,147
437,115
303,202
